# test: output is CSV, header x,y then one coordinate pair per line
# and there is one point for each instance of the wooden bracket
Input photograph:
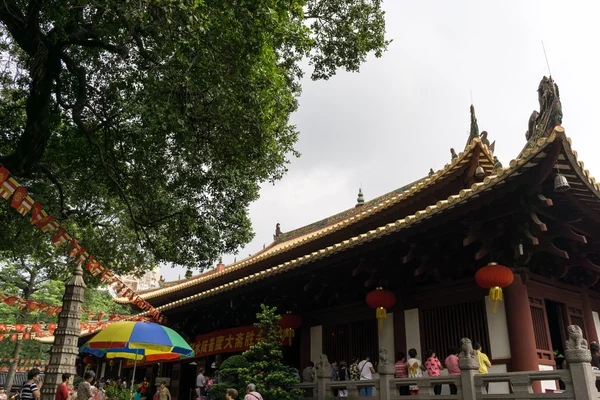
x,y
546,202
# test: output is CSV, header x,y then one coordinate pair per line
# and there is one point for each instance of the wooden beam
x,y
542,226
568,233
580,261
545,167
544,200
550,248
411,254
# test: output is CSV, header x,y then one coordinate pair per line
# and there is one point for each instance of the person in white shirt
x,y
366,371
201,383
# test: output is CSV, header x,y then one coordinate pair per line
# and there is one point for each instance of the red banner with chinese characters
x,y
226,341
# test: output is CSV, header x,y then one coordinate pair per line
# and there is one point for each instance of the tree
x,y
148,126
273,379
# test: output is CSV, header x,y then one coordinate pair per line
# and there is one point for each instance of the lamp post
x,y
65,350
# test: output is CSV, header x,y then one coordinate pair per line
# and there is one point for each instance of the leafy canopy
x,y
150,125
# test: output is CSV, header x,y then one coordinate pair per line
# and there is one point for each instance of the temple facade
x,y
539,215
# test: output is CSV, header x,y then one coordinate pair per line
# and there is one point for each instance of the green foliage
x,y
231,369
234,362
273,379
147,127
116,392
217,391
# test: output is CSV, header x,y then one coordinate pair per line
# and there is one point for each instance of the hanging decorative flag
x,y
61,237
8,188
18,197
24,204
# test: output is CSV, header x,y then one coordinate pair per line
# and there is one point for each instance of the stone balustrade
x,y
579,380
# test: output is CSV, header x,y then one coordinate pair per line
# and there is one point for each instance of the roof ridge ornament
x,y
474,130
277,232
542,123
360,200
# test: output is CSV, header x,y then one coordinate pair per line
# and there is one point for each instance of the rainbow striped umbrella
x,y
141,337
138,340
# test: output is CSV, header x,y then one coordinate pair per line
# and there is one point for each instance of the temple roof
x,y
585,191
475,153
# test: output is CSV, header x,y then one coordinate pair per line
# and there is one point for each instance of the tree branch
x,y
14,20
54,179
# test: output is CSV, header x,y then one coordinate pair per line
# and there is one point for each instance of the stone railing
x,y
579,380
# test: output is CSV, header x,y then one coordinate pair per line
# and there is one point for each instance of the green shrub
x,y
217,391
116,392
235,362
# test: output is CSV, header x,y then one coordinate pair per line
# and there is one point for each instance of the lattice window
x,y
344,341
539,328
444,326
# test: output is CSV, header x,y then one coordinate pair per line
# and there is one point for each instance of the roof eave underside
x,y
529,159
464,159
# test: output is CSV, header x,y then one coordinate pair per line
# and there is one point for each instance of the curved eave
x,y
464,160
529,159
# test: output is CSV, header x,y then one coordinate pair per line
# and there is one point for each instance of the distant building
x,y
150,280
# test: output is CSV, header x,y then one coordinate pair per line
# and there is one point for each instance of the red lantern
x,y
494,277
88,360
381,300
289,322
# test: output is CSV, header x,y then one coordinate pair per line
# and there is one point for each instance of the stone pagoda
x,y
65,350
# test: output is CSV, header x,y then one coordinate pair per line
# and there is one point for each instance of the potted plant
x,y
559,359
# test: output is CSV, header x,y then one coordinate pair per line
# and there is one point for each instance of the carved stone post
x,y
467,361
65,350
324,378
386,372
578,359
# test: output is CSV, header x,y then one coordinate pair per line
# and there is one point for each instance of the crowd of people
x,y
411,367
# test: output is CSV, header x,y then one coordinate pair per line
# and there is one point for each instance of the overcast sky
x,y
387,125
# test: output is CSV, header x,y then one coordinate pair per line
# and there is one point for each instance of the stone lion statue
x,y
466,349
576,340
323,366
384,357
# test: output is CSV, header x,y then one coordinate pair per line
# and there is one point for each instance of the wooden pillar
x,y
588,317
304,346
520,329
399,329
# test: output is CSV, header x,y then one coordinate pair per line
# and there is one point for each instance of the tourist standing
x,y
484,363
308,373
401,371
62,392
251,393
451,363
335,376
595,349
3,395
144,385
343,375
201,384
231,394
354,373
415,370
366,371
84,391
31,388
434,368
163,392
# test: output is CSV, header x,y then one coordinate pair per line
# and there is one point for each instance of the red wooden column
x,y
520,329
399,328
588,317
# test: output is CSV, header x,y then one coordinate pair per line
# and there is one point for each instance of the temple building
x,y
539,215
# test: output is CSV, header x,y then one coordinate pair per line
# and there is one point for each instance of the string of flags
x,y
22,364
49,309
32,331
24,203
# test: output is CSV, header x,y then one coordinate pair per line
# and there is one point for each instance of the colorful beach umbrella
x,y
136,341
147,336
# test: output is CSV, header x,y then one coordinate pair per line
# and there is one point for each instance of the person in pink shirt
x,y
251,393
434,368
451,364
